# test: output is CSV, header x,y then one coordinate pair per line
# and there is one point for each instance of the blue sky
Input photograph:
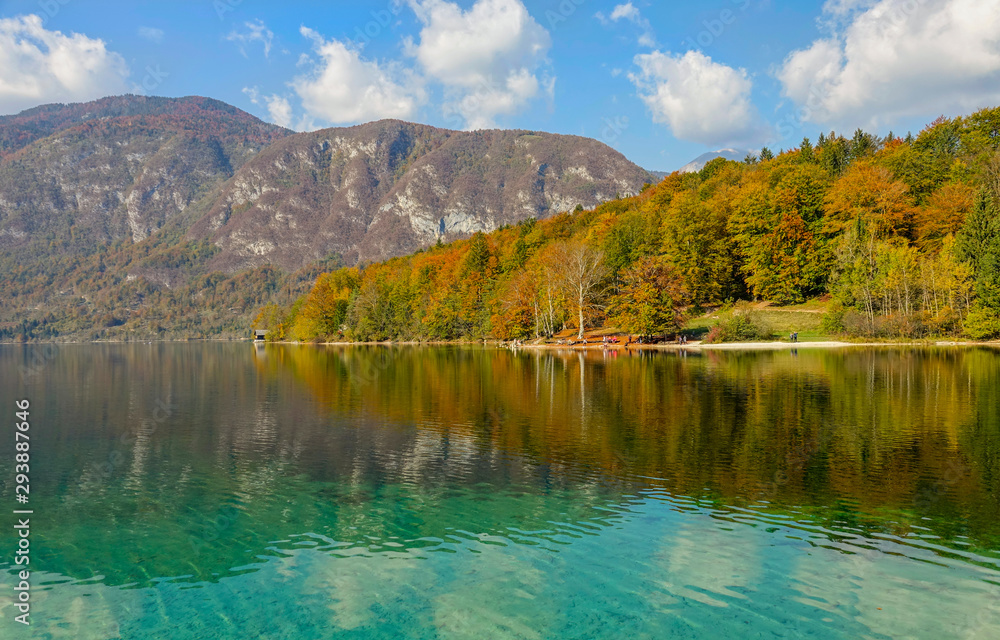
x,y
661,82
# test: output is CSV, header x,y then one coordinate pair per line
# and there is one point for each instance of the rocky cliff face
x,y
122,168
387,188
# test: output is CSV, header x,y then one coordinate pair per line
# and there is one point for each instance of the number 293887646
x,y
21,452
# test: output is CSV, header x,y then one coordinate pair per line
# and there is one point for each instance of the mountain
x,y
118,167
195,114
388,188
699,163
107,205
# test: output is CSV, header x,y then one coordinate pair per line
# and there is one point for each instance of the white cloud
x,y
630,13
279,109
342,87
488,57
488,61
479,107
700,100
39,66
626,11
890,59
152,34
256,32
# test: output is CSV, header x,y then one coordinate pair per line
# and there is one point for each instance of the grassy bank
x,y
806,319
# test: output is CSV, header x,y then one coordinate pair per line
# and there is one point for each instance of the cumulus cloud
x,y
489,58
255,32
151,33
343,87
889,59
699,99
39,66
487,61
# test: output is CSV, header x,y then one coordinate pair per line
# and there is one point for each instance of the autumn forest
x,y
900,237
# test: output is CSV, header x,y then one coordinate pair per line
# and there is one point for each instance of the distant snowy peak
x,y
699,163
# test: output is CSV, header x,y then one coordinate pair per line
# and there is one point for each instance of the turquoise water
x,y
232,491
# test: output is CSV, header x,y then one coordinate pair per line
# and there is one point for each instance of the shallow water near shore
x,y
237,490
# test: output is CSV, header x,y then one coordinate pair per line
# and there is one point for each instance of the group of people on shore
x,y
610,341
606,342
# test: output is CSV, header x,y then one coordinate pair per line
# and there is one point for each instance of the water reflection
x,y
911,430
657,488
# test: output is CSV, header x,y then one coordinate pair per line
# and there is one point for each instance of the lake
x,y
219,490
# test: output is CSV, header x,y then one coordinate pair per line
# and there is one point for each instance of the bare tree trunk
x,y
552,311
534,308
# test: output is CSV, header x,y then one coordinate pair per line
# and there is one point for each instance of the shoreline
x,y
590,346
757,346
691,346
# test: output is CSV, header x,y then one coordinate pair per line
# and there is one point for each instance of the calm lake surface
x,y
241,491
